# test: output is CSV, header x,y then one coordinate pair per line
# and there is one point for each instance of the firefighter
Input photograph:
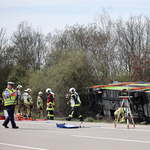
x,y
28,102
122,115
75,105
9,103
50,104
19,99
40,104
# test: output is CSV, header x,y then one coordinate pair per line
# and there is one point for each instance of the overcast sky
x,y
56,14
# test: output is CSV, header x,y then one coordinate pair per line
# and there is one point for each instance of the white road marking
x,y
22,146
130,129
112,139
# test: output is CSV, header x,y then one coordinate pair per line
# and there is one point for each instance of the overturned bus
x,y
105,99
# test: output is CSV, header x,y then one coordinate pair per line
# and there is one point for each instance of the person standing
x,y
50,104
75,104
40,104
19,100
28,102
9,103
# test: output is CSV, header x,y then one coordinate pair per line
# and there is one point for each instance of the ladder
x,y
128,110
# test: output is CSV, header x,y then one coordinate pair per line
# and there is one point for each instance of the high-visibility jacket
x,y
122,112
39,102
11,100
75,99
27,98
50,101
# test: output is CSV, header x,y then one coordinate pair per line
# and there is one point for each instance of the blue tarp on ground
x,y
66,126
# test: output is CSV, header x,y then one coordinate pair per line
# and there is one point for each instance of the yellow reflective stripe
x,y
52,108
51,103
72,105
10,100
71,115
80,116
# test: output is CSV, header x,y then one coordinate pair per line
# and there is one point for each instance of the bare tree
x,y
133,37
108,49
28,47
3,47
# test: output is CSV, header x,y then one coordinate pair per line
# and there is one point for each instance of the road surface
x,y
45,135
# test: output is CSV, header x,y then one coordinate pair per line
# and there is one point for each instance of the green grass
x,y
2,112
89,119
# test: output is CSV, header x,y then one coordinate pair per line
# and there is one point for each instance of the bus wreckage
x,y
105,99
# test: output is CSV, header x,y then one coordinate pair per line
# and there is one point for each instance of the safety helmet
x,y
48,90
28,90
19,86
40,93
72,90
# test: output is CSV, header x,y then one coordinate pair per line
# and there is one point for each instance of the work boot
x,y
15,127
51,118
5,126
81,119
68,118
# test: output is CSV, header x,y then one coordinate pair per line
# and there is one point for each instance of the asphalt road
x,y
45,135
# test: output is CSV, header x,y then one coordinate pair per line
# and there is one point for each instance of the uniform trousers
x,y
10,111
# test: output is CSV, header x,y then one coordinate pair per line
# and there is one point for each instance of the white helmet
x,y
72,90
19,86
28,90
40,93
48,90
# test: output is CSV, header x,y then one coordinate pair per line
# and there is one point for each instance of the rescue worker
x,y
40,104
28,102
122,115
75,105
50,104
19,99
9,103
